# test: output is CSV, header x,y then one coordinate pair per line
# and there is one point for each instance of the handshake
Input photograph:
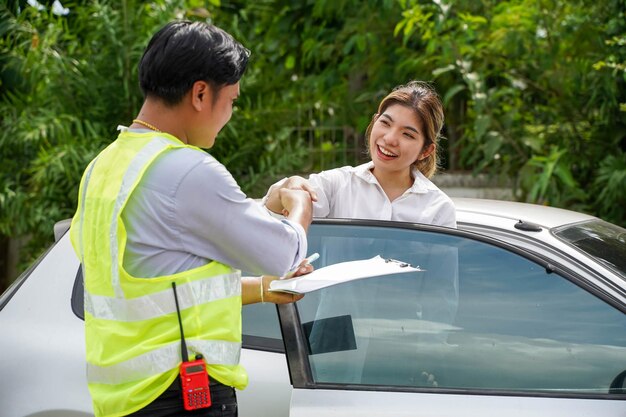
x,y
289,195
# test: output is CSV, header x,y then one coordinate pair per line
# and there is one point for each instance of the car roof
x,y
544,216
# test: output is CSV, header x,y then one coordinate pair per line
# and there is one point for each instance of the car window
x,y
478,317
601,240
260,328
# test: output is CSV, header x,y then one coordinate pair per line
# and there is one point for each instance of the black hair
x,y
184,52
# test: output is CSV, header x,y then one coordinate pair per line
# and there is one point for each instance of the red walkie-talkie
x,y
193,375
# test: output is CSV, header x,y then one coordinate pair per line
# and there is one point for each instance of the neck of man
x,y
167,119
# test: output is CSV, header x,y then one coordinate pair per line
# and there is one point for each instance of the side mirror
x,y
60,228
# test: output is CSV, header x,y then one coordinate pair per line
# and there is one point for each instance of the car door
x,y
263,356
485,329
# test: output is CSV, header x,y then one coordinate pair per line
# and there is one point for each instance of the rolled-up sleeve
x,y
217,221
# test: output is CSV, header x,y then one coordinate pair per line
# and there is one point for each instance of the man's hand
x,y
282,297
299,183
297,206
274,201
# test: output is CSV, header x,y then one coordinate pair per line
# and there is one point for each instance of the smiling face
x,y
396,140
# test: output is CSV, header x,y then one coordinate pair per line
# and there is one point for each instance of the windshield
x,y
601,240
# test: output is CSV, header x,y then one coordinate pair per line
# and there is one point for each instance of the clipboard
x,y
342,272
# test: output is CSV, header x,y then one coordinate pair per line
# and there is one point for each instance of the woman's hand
x,y
299,183
274,200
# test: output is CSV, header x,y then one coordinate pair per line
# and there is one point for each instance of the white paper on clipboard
x,y
342,272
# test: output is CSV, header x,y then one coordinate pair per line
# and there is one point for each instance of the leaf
x,y
290,62
492,146
399,27
453,92
347,48
535,142
563,172
438,71
481,125
361,43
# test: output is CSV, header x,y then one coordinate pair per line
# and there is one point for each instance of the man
x,y
153,210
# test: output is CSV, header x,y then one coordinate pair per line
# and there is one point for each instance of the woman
x,y
402,141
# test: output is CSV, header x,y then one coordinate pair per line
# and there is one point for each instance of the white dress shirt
x,y
354,192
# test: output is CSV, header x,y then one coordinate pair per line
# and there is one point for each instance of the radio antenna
x,y
183,345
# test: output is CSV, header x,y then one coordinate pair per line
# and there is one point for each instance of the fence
x,y
334,146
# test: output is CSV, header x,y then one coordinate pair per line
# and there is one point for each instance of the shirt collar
x,y
421,184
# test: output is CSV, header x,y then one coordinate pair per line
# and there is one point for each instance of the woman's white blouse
x,y
354,192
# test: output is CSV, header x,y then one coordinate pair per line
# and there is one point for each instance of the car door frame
x,y
306,390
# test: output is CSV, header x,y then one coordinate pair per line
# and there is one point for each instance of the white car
x,y
521,311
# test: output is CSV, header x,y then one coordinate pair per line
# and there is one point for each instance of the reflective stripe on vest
x,y
161,360
82,210
161,303
152,148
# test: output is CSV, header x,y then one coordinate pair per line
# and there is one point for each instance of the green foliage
x,y
67,82
318,64
609,186
534,90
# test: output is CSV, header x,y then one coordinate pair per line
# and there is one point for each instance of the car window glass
x,y
479,317
260,327
601,240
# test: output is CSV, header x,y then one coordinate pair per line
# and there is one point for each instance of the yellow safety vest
x,y
131,327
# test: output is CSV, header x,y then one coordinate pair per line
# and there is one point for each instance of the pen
x,y
311,258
